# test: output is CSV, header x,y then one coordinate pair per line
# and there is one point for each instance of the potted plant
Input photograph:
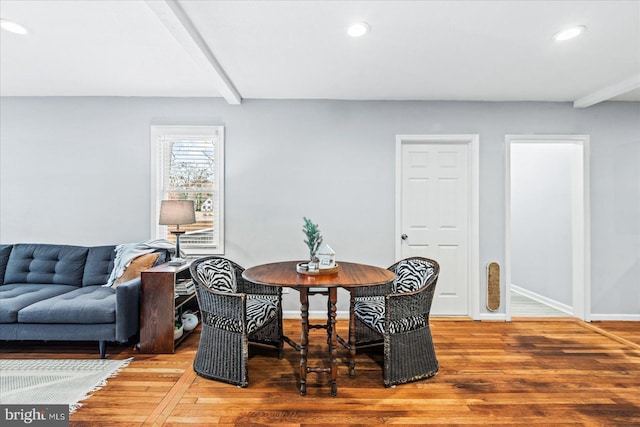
x,y
313,241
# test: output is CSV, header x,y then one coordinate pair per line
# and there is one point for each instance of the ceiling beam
x,y
178,23
608,92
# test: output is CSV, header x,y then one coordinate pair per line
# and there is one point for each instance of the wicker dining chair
x,y
234,313
396,315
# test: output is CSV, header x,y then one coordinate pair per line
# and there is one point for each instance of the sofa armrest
x,y
127,309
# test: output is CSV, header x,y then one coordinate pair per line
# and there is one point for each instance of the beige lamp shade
x,y
177,212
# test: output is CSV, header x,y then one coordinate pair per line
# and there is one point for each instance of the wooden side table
x,y
158,305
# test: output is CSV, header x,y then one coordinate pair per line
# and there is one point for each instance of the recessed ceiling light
x,y
358,29
13,27
569,33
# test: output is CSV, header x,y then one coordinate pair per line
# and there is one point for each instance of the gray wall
x,y
541,213
76,170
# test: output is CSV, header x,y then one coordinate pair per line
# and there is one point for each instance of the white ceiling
x,y
416,50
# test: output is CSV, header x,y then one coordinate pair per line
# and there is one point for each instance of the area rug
x,y
54,381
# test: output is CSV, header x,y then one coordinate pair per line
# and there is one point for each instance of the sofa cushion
x,y
89,304
99,265
5,250
42,263
15,297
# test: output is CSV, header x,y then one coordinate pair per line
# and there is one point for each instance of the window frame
x,y
157,134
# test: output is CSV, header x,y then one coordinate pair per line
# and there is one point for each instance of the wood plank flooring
x,y
543,372
629,331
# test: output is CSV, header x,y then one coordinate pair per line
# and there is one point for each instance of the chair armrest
x,y
222,304
245,286
127,309
410,304
372,291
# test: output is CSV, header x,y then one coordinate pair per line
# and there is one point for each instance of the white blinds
x,y
189,165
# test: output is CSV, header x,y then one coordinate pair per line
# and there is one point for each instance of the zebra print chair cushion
x,y
260,310
371,311
218,274
411,275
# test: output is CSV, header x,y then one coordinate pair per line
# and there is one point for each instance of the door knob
x,y
404,237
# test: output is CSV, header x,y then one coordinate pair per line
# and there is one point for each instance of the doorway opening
x,y
547,226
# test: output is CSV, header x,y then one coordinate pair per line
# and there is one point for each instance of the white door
x,y
435,216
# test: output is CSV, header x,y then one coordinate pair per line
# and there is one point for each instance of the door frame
x,y
581,221
473,168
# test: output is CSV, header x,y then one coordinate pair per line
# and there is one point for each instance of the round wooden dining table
x,y
348,276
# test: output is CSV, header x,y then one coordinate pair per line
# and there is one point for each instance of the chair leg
x,y
280,352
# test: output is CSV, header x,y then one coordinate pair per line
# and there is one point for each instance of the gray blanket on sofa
x,y
127,252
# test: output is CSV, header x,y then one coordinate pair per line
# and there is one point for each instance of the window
x,y
187,163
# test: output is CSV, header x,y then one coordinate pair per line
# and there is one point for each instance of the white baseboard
x,y
494,317
622,317
544,300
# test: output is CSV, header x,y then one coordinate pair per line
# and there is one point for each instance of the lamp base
x,y
178,261
178,233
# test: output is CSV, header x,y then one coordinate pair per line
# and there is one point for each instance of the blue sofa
x,y
56,293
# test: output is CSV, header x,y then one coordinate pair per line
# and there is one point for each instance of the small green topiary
x,y
314,238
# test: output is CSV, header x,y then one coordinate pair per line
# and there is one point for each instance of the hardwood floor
x,y
621,331
543,372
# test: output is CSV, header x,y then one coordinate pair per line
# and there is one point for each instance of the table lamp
x,y
177,212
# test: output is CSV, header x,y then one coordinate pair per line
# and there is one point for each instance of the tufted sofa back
x,y
99,265
58,264
40,263
5,250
